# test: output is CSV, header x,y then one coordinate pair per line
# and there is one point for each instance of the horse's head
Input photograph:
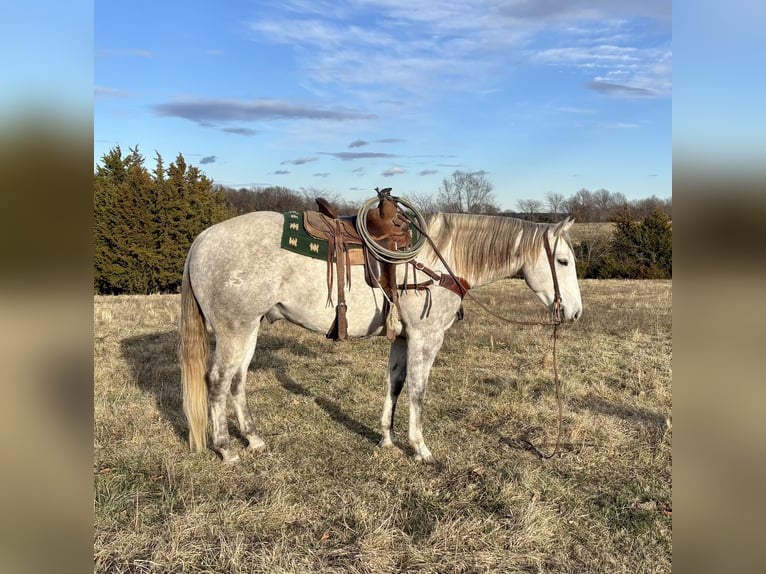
x,y
543,271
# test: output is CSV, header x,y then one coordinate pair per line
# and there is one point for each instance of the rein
x,y
556,321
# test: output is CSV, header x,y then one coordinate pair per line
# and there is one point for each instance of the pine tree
x,y
109,176
145,222
639,249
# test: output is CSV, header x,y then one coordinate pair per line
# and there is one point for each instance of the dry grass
x,y
591,232
323,498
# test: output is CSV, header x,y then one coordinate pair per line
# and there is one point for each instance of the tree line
x,y
145,221
590,206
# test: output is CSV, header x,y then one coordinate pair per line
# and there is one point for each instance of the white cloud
x,y
424,48
393,171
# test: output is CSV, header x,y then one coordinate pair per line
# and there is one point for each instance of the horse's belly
x,y
308,305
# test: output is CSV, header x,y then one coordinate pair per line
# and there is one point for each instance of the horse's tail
x,y
193,349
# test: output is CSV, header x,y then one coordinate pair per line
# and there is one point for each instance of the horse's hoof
x,y
425,457
387,442
256,444
229,457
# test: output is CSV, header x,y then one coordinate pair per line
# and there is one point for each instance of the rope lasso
x,y
389,255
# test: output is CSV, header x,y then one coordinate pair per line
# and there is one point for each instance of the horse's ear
x,y
563,225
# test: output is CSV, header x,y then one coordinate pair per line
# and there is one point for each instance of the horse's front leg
x,y
397,373
421,352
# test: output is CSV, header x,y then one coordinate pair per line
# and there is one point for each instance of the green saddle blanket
x,y
296,239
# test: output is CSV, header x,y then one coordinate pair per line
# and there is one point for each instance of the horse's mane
x,y
480,245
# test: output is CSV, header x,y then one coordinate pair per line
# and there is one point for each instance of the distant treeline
x,y
590,206
463,193
145,221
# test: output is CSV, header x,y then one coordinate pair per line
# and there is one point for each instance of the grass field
x,y
323,498
591,232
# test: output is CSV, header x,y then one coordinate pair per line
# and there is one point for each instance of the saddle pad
x,y
296,239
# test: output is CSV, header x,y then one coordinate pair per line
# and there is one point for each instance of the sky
x,y
344,96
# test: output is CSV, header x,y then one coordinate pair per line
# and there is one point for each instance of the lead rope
x,y
556,320
557,382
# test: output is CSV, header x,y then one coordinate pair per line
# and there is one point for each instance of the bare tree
x,y
467,193
619,199
555,203
641,208
580,205
603,204
529,207
425,203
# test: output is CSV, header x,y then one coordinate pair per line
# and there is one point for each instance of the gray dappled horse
x,y
236,274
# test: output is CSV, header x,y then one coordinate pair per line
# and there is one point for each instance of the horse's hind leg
x,y
397,374
244,416
227,373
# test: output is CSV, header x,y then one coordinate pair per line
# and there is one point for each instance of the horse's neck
x,y
486,274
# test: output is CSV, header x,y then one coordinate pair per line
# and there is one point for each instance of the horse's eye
x,y
563,262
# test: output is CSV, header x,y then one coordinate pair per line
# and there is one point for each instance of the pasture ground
x,y
323,498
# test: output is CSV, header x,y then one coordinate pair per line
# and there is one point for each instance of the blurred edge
x,y
46,306
719,336
46,303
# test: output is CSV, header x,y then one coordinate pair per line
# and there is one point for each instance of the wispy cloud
x,y
108,53
427,48
282,172
103,92
428,172
322,174
621,126
350,156
299,161
205,111
619,90
636,71
208,159
358,143
239,131
590,56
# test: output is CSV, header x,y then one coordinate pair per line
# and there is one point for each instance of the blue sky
x,y
343,96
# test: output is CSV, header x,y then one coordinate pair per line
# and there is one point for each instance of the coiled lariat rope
x,y
404,255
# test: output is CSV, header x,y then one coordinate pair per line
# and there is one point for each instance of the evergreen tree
x,y
639,250
145,222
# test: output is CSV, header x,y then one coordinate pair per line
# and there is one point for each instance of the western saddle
x,y
390,229
387,226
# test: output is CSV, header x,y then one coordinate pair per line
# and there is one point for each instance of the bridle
x,y
551,253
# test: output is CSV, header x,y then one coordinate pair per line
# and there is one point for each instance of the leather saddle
x,y
385,225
